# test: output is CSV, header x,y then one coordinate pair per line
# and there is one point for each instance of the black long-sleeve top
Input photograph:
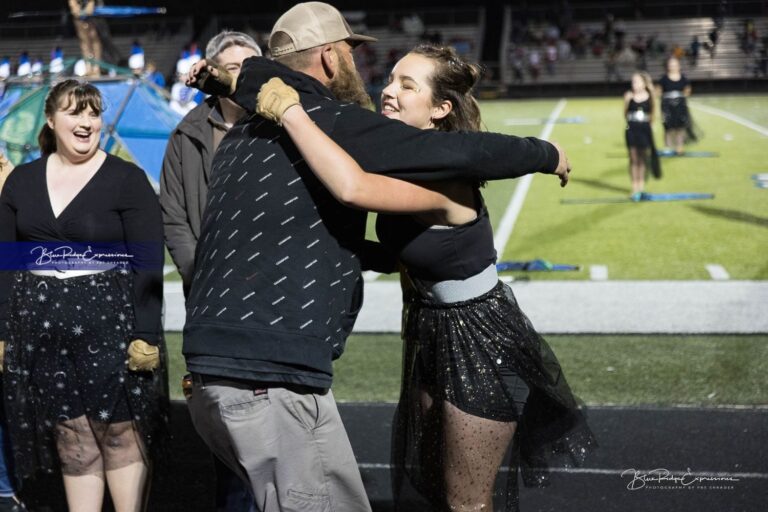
x,y
117,205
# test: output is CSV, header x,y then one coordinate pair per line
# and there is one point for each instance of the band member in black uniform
x,y
674,88
638,111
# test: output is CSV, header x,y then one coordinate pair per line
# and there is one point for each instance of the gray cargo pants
x,y
288,443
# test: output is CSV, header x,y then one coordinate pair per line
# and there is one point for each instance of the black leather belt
x,y
210,380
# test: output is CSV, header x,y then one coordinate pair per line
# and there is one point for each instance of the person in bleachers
x,y
714,38
57,61
136,59
25,66
612,67
5,68
517,64
152,74
761,62
693,51
182,97
413,25
534,63
37,66
550,57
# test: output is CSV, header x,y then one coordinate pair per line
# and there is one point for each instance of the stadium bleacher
x,y
729,60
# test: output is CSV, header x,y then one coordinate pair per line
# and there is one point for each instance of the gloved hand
x,y
143,357
275,97
2,356
187,385
210,78
6,166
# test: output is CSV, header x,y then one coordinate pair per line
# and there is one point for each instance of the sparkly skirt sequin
x,y
66,358
470,369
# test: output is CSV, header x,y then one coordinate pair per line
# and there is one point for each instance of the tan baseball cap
x,y
311,24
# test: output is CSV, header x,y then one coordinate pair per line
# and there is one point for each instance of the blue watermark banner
x,y
63,256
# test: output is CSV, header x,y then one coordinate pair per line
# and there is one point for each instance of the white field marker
x,y
717,272
598,272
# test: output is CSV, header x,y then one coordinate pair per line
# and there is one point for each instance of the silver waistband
x,y
671,95
459,290
67,274
638,116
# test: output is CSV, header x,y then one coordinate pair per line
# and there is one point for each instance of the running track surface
x,y
712,442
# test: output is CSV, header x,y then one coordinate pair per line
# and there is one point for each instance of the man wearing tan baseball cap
x,y
311,37
309,25
278,281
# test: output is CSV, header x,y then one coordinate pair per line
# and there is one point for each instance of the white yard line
x,y
718,272
504,231
731,117
598,272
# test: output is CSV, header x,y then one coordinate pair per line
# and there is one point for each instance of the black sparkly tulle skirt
x,y
66,358
482,361
674,113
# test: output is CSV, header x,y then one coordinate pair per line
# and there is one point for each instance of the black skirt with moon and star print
x,y
66,359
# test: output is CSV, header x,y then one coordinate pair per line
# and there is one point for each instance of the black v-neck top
x,y
117,205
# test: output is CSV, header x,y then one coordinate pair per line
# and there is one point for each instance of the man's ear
x,y
329,60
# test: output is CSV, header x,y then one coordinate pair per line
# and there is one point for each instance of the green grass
x,y
648,240
174,275
605,369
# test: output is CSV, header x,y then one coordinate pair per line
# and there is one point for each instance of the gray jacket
x,y
184,186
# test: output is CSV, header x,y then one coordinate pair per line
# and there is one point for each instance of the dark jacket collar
x,y
195,123
261,69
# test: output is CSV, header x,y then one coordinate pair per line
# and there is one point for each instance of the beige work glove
x,y
6,166
275,97
143,357
2,356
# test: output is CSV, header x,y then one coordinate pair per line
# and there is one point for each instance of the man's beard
x,y
347,85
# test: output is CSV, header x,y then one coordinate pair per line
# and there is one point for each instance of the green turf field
x,y
649,240
606,369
